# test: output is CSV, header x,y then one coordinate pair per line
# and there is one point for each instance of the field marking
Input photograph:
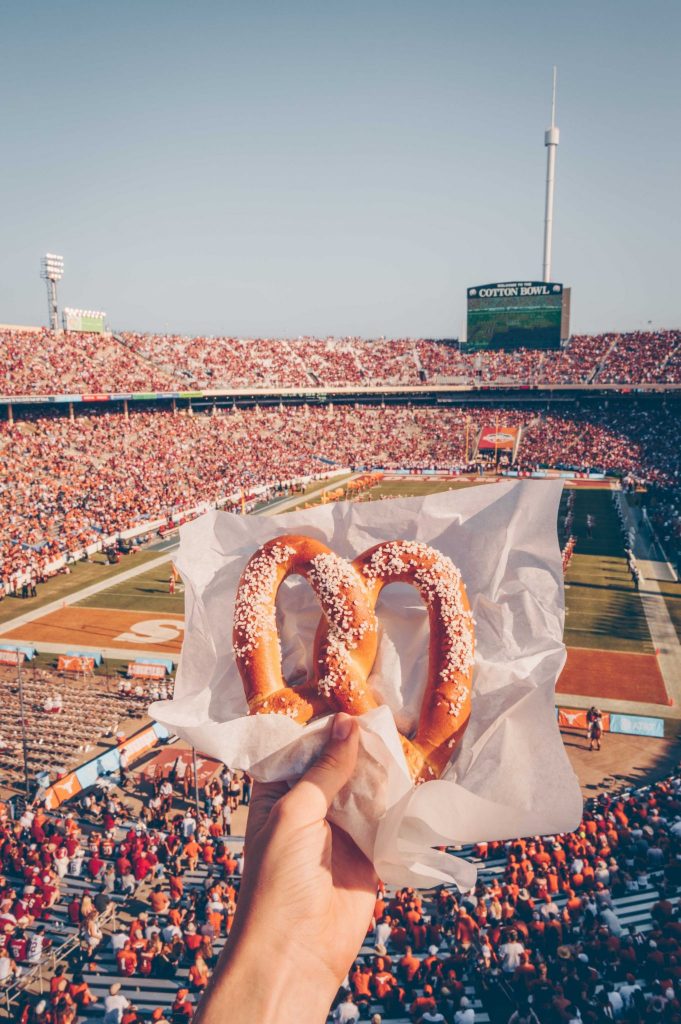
x,y
154,631
606,675
103,627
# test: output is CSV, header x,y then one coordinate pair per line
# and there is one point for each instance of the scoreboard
x,y
87,320
515,314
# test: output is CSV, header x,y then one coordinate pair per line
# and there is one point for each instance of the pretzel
x,y
351,637
446,704
346,640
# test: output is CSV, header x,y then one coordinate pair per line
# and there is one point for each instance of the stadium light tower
x,y
52,269
551,139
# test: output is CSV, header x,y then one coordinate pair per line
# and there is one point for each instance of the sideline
x,y
659,621
81,595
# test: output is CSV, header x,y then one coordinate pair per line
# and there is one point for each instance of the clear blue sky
x,y
311,167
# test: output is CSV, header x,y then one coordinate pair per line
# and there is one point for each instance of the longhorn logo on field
x,y
152,631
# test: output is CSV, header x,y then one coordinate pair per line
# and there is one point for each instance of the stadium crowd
x,y
68,483
45,362
538,940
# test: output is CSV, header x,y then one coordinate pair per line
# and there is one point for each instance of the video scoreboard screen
x,y
514,314
87,320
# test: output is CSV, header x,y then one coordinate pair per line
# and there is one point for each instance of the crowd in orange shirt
x,y
541,937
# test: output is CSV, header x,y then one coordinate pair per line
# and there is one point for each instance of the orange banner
x,y
575,718
501,439
139,744
62,790
74,663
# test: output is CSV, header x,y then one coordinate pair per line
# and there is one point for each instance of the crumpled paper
x,y
510,775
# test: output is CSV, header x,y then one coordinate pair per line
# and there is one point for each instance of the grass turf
x,y
82,574
603,608
147,592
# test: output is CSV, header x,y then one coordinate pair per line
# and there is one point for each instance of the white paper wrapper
x,y
510,775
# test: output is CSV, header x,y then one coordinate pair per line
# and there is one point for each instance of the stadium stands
x,y
583,926
43,362
66,484
65,718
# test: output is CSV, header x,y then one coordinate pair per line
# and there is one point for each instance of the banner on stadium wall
x,y
12,657
630,725
28,652
95,655
75,663
575,718
62,790
139,744
136,670
637,725
167,662
501,439
108,762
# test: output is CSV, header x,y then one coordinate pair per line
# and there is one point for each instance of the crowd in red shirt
x,y
45,362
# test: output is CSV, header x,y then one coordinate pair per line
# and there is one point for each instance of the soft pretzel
x,y
446,703
346,640
351,634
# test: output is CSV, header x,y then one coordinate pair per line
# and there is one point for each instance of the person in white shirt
x,y
382,932
628,990
510,953
114,1005
346,1012
611,921
465,1014
616,1002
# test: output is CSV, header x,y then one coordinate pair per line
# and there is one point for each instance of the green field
x,y
415,488
82,574
146,592
603,608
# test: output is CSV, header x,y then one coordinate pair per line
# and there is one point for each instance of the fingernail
x,y
342,726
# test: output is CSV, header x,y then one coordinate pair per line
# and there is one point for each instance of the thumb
x,y
312,795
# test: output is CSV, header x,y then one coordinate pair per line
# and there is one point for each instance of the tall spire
x,y
551,140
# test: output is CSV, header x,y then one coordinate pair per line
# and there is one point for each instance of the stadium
x,y
99,475
226,170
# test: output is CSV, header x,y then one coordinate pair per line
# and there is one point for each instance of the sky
x,y
278,169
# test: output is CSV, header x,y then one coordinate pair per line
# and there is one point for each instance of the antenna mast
x,y
551,140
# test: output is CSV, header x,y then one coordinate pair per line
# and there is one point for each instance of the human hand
x,y
305,901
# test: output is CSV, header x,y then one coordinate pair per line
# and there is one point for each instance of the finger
x,y
263,799
311,797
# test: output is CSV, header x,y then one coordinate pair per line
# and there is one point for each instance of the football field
x,y
611,654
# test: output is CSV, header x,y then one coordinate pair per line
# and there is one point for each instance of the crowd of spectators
x,y
539,938
45,362
67,483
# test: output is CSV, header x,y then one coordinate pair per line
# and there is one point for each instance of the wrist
x,y
261,985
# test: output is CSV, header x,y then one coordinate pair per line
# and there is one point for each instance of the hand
x,y
305,901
